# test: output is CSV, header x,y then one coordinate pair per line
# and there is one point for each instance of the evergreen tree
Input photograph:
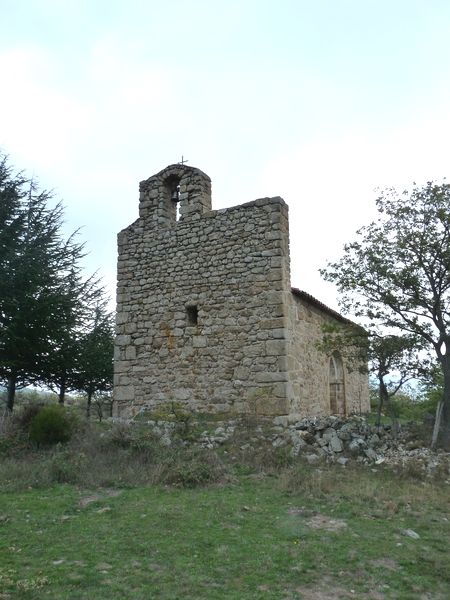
x,y
79,298
44,301
94,373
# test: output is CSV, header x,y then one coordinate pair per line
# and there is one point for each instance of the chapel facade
x,y
207,318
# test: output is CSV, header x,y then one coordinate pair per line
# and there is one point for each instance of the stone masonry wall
x,y
309,368
201,301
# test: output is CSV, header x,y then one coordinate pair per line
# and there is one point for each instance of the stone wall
x,y
200,301
205,312
309,368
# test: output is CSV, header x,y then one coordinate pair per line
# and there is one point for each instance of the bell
x,y
176,194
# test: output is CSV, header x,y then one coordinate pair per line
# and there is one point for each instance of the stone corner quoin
x,y
206,316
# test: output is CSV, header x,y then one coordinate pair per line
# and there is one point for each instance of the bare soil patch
x,y
327,523
386,563
95,497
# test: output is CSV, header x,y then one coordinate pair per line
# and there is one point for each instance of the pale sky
x,y
317,101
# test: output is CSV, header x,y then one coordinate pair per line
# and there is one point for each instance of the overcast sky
x,y
317,101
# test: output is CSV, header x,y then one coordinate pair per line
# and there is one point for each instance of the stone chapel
x,y
207,317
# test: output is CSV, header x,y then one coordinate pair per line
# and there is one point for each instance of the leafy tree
x,y
103,402
431,389
411,405
397,273
392,360
94,372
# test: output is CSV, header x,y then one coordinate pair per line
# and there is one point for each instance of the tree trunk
x,y
446,398
391,412
437,423
444,428
379,408
11,391
62,392
88,405
382,397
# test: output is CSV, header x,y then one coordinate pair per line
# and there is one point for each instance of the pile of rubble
x,y
334,438
337,440
329,439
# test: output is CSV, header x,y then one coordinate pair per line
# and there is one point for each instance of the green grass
x,y
116,514
253,538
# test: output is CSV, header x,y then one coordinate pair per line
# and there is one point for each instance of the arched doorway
x,y
337,388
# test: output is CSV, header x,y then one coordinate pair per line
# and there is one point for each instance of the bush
x,y
192,467
6,423
413,410
12,439
26,415
120,434
67,467
138,439
51,425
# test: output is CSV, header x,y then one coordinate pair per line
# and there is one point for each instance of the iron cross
x,y
183,160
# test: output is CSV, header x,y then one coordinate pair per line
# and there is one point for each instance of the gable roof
x,y
320,305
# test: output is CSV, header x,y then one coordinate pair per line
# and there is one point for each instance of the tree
x,y
431,389
397,273
395,360
12,220
43,298
33,258
94,372
79,299
392,360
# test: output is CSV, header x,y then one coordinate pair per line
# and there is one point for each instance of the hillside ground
x,y
114,514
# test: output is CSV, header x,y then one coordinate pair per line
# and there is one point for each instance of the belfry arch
x,y
175,193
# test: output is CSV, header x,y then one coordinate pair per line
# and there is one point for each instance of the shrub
x,y
120,434
138,439
415,410
51,425
26,415
192,467
67,467
12,439
6,423
146,445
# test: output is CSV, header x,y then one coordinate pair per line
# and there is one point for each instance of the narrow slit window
x,y
192,314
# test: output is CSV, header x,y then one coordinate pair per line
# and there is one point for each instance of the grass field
x,y
306,533
116,514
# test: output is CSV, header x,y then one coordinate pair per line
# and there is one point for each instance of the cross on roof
x,y
183,160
